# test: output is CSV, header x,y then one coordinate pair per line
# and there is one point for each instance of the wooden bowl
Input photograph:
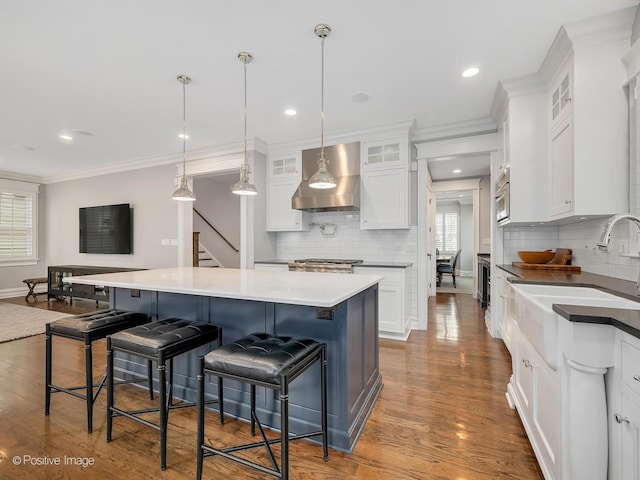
x,y
536,257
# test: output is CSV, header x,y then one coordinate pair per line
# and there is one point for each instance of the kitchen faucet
x,y
605,236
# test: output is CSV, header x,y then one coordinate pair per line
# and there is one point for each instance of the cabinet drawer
x,y
631,366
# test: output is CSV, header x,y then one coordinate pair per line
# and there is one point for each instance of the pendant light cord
x,y
184,128
322,100
245,115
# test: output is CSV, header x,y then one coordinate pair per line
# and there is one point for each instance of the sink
x,y
533,311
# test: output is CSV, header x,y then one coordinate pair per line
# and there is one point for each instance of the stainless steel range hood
x,y
344,164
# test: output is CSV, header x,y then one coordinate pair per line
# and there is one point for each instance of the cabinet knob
x,y
567,202
636,378
526,362
620,419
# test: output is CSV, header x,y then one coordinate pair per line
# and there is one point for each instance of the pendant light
x,y
244,185
183,193
322,178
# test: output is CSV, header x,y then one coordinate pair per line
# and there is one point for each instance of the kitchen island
x,y
339,310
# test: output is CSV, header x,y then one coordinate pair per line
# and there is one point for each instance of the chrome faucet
x,y
605,236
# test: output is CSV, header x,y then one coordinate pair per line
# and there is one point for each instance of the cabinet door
x,y
561,171
390,310
523,372
280,215
285,166
384,199
630,439
383,154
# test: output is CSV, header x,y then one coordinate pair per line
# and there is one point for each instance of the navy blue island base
x,y
350,330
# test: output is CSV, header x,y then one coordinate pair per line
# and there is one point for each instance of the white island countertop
x,y
296,288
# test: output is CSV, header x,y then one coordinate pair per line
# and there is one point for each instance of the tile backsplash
x,y
620,261
349,241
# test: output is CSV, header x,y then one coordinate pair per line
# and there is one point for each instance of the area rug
x,y
19,322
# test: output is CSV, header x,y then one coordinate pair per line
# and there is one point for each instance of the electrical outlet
x,y
135,293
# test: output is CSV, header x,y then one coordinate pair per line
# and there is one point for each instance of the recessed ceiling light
x,y
79,131
359,97
470,72
290,112
185,136
457,170
64,136
23,147
461,195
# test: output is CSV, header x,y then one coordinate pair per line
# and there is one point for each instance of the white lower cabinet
x,y
626,419
536,393
629,420
394,300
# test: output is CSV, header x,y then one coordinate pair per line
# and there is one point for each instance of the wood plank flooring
x,y
442,414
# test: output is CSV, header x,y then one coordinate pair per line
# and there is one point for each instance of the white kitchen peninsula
x,y
339,310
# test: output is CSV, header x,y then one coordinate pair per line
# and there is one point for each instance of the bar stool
x,y
88,328
159,341
270,361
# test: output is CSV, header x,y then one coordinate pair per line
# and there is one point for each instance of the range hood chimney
x,y
344,164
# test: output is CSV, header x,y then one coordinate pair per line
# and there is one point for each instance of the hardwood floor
x,y
442,414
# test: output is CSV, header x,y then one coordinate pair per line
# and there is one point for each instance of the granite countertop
x,y
368,263
624,319
296,288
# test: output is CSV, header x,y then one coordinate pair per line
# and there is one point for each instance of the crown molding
x,y
18,177
515,87
466,128
610,27
205,154
631,60
396,129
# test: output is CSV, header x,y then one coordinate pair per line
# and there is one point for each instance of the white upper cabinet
x,y
384,191
520,114
587,112
284,176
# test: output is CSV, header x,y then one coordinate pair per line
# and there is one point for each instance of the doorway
x,y
445,150
454,241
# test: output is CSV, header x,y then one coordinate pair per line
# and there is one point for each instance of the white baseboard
x,y
20,291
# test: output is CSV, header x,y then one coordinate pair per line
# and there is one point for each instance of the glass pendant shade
x,y
184,193
244,185
322,178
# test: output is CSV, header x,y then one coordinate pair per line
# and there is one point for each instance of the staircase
x,y
201,256
206,258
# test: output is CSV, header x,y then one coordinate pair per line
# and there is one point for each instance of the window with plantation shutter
x,y
447,232
18,222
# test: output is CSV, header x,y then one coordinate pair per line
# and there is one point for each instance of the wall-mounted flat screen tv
x,y
106,229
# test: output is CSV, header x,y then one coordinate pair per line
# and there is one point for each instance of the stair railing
x,y
217,231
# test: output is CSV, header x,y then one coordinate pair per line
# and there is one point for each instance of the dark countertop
x,y
484,257
367,263
626,320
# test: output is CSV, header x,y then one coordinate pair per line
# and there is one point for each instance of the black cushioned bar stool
x,y
159,341
270,361
87,328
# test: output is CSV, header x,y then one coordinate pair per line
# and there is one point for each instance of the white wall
x,y
465,262
221,208
486,200
148,191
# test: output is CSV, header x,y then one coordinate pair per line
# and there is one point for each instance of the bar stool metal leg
x,y
109,389
47,381
88,367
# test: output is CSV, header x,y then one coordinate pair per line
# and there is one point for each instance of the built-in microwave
x,y
502,198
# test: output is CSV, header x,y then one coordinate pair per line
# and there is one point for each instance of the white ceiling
x,y
110,67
